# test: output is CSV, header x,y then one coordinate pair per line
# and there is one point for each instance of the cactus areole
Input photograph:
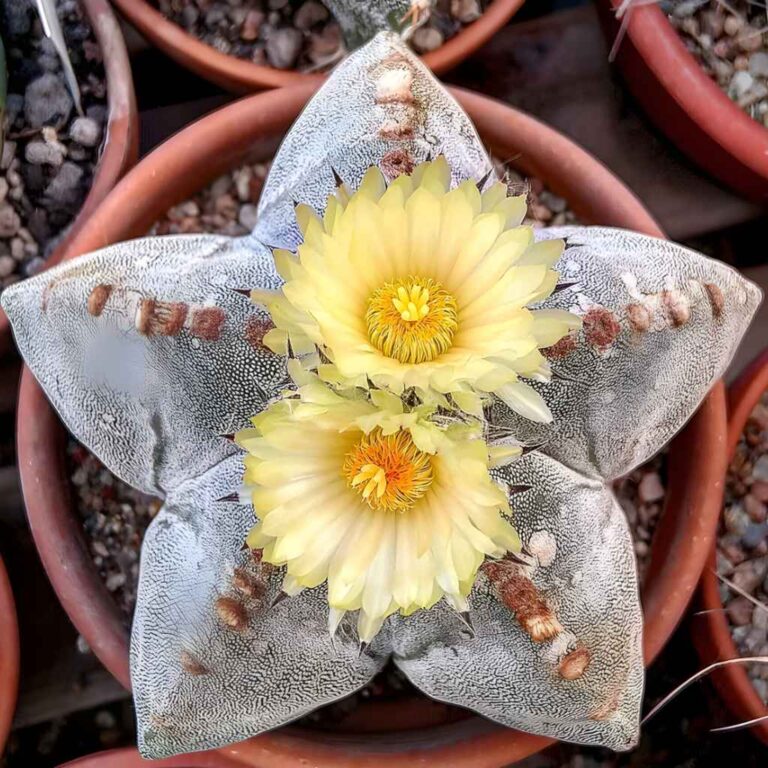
x,y
423,442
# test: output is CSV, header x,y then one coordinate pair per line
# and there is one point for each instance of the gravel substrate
x,y
50,152
742,555
641,495
114,517
297,34
730,39
227,206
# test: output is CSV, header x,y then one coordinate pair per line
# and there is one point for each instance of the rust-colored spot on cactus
x,y
191,665
97,299
396,163
495,570
245,584
256,329
256,555
677,307
160,318
716,298
393,131
207,323
144,316
562,348
607,708
574,664
520,595
390,60
639,317
232,613
600,328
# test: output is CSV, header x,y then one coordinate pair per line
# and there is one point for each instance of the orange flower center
x,y
388,471
412,320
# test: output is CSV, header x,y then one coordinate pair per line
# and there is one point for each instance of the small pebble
x,y
740,611
426,39
85,131
309,14
47,101
9,221
758,64
44,153
7,266
283,47
650,488
64,189
754,508
760,470
247,216
466,11
251,25
741,83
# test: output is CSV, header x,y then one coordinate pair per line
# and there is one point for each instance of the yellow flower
x,y
393,510
415,285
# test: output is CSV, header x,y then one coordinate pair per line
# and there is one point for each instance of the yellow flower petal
x,y
319,484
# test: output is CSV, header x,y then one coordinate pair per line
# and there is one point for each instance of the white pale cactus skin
x,y
151,388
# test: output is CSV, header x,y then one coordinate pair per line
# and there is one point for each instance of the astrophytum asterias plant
x,y
152,353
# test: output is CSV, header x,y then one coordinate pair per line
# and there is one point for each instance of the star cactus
x,y
496,578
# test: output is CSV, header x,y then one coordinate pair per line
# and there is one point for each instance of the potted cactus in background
x,y
409,311
734,587
70,128
261,46
700,81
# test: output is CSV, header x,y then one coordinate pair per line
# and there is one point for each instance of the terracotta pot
x,y
710,630
250,129
9,656
688,106
121,147
130,758
243,76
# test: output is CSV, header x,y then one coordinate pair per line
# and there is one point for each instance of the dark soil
x,y
50,152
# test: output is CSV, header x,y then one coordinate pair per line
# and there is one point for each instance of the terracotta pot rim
x,y
711,632
128,757
678,71
121,146
9,656
173,171
240,75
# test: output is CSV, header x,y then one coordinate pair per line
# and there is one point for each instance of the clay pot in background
x,y
121,145
243,76
685,104
9,656
249,130
710,630
130,758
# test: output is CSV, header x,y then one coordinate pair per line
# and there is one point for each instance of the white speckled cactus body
x,y
152,356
